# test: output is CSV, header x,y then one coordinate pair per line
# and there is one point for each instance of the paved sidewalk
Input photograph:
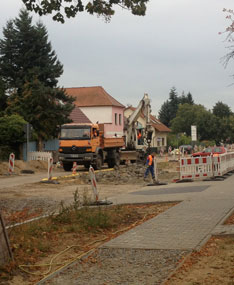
x,y
148,253
185,226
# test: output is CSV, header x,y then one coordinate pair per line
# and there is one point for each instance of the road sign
x,y
194,133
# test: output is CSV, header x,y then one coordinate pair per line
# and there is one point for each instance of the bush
x,y
5,152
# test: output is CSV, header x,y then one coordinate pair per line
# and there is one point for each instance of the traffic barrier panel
x,y
50,168
11,163
196,168
93,182
223,163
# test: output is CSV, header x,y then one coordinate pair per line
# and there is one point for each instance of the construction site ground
x,y
26,190
151,252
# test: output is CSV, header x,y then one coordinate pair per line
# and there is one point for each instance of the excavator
x,y
133,134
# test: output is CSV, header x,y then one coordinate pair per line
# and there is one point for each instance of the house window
x,y
158,141
120,119
116,119
163,142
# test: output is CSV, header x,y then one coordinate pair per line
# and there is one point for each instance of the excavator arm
x,y
145,108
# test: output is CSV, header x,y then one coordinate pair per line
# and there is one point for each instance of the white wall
x,y
100,114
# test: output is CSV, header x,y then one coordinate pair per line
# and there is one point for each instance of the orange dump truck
x,y
86,144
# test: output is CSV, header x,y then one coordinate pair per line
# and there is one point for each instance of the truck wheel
x,y
114,161
67,166
98,164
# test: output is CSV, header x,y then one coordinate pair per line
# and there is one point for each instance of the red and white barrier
x,y
74,168
50,168
223,163
198,168
94,182
11,163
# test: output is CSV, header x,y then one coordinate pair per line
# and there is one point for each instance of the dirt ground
x,y
42,198
213,264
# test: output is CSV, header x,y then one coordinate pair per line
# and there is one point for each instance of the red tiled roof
x,y
77,116
154,121
92,96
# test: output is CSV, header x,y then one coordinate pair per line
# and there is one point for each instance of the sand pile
x,y
34,165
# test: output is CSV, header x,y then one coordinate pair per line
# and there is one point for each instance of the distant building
x,y
99,106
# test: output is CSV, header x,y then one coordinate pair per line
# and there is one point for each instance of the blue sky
x,y
175,44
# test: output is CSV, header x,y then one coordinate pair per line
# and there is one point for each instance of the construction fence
x,y
199,168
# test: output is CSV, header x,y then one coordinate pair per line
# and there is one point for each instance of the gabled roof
x,y
77,116
92,97
154,121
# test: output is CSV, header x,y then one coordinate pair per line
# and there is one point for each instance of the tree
x,y
169,108
221,110
30,71
3,97
229,31
173,102
12,134
164,113
183,99
225,129
72,7
188,115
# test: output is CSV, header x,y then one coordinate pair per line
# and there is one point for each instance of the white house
x,y
100,107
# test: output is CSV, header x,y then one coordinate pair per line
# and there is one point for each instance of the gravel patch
x,y
120,266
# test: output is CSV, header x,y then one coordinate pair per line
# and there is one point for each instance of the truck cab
x,y
86,144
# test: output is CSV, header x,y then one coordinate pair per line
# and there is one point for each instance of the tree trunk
x,y
40,144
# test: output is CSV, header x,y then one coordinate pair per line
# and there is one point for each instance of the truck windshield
x,y
75,133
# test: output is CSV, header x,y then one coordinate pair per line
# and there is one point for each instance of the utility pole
x,y
27,131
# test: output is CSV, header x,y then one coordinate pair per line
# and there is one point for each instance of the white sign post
x,y
94,182
194,133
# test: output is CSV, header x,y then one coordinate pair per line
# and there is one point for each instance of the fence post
x,y
94,182
11,163
50,167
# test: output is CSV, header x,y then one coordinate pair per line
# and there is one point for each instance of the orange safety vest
x,y
150,160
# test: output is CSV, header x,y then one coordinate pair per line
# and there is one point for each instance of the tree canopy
x,y
216,126
188,115
70,8
29,69
3,97
169,108
221,110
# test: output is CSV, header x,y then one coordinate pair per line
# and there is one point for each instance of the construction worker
x,y
139,137
150,166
